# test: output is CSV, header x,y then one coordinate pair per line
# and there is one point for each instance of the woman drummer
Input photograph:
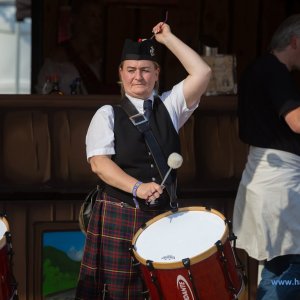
x,y
117,153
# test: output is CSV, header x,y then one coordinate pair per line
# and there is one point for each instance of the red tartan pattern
x,y
106,258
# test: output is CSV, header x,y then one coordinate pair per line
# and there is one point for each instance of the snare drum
x,y
7,290
187,255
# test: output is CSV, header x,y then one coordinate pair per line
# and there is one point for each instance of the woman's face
x,y
138,77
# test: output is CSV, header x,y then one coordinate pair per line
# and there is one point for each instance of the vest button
x,y
153,178
149,153
152,166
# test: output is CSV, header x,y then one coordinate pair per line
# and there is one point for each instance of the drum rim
x,y
193,260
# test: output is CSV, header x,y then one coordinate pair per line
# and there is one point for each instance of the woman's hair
x,y
156,86
287,29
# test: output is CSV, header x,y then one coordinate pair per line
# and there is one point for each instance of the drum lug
x,y
219,246
174,206
186,262
149,265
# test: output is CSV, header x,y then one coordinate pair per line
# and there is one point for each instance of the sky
x,y
71,242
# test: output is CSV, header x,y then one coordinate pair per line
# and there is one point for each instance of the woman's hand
x,y
198,70
149,191
161,32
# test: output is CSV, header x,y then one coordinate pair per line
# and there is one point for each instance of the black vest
x,y
132,154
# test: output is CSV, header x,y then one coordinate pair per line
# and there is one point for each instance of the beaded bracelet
x,y
135,187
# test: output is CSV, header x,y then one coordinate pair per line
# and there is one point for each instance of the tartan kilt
x,y
106,262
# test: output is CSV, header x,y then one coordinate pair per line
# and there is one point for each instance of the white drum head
x,y
184,234
3,228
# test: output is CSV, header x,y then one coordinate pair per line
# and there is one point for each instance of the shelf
x,y
207,103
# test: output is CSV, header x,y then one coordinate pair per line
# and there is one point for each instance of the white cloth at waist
x,y
266,217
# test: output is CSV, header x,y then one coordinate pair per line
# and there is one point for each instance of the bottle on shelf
x,y
47,87
55,86
75,87
78,86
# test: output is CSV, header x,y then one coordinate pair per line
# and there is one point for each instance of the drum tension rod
x,y
136,266
187,263
224,261
149,265
13,282
134,261
10,251
240,266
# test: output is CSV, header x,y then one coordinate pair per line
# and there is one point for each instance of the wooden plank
x,y
184,22
114,38
216,22
243,35
271,16
64,211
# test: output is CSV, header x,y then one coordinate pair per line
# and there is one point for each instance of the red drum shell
x,y
211,280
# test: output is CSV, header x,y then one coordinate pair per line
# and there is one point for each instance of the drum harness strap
x,y
142,124
187,263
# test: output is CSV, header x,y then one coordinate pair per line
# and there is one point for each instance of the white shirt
x,y
100,135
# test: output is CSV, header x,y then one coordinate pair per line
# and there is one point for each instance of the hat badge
x,y
152,51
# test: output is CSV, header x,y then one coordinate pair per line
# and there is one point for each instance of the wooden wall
x,y
44,174
242,28
27,219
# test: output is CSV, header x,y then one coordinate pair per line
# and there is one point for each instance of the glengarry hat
x,y
140,50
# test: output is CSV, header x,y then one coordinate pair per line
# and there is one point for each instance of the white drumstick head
x,y
175,160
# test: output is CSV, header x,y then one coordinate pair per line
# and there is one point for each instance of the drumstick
x,y
174,162
166,19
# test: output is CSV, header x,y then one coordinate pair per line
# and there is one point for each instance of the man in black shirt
x,y
266,214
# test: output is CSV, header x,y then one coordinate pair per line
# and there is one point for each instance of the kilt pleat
x,y
106,263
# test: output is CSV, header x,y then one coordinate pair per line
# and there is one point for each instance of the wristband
x,y
135,187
